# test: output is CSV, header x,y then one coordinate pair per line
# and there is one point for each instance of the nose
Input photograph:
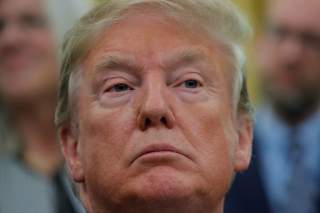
x,y
11,35
292,50
155,109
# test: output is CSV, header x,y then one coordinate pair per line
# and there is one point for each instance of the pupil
x,y
191,83
121,87
2,24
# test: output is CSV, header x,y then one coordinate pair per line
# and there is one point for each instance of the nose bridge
x,y
154,95
11,33
292,49
155,109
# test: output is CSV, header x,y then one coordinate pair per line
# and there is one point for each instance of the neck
x,y
35,126
165,206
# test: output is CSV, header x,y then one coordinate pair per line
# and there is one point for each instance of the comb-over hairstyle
x,y
219,18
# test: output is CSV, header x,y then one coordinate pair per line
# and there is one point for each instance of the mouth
x,y
15,64
159,151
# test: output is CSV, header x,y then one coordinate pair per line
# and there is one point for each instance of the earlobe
x,y
244,146
70,150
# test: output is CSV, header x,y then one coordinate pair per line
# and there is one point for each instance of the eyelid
x,y
189,76
2,24
198,82
111,88
38,21
111,82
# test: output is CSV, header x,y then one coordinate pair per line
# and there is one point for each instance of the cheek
x,y
213,152
218,151
104,135
215,141
211,133
43,60
44,47
312,70
268,54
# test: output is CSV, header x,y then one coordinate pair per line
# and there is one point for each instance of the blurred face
x,y
290,52
156,125
28,65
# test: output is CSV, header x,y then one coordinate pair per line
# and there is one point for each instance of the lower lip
x,y
159,156
16,67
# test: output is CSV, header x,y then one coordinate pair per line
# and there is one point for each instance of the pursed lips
x,y
159,148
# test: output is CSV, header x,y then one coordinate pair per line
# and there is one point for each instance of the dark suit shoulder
x,y
247,194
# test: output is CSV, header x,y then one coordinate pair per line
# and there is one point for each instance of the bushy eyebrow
x,y
183,57
116,61
178,58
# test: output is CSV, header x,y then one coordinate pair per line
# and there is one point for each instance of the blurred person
x,y
285,173
153,113
32,177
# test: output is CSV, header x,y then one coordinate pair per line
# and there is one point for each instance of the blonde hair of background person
x,y
61,15
221,24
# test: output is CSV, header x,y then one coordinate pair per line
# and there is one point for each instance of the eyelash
x,y
190,83
124,87
113,88
196,83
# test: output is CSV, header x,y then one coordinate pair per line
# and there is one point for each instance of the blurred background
x,y
254,9
283,74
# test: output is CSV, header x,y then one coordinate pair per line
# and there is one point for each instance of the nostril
x,y
147,122
163,120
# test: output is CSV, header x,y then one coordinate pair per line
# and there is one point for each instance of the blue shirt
x,y
22,190
274,137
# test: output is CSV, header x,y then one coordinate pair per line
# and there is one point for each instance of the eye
x,y
34,21
191,83
2,24
121,87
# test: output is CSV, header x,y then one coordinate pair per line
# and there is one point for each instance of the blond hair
x,y
217,17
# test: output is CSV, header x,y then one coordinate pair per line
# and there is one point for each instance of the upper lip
x,y
158,148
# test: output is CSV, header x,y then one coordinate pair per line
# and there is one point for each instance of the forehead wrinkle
x,y
117,61
182,57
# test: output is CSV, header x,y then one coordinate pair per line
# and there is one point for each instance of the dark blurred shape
x,y
284,175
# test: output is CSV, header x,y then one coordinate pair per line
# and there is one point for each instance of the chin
x,y
163,187
159,189
164,183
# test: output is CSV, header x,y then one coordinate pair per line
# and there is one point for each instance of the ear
x,y
244,145
70,150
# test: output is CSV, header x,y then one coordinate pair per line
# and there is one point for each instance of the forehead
x,y
296,13
17,7
150,36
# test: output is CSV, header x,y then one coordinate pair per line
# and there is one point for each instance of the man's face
x,y
291,50
156,121
28,63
